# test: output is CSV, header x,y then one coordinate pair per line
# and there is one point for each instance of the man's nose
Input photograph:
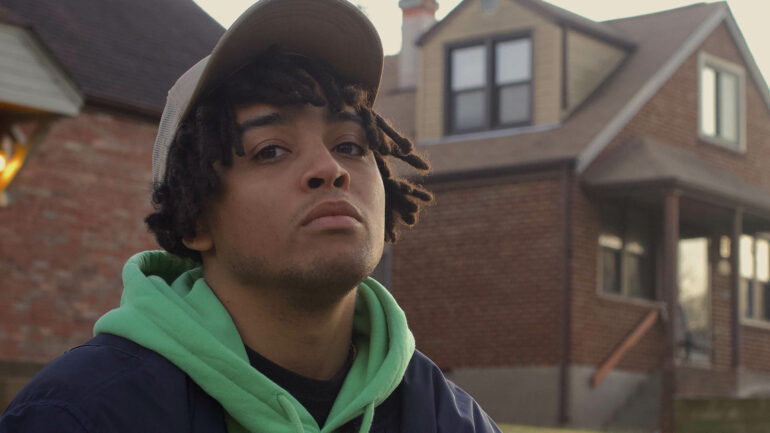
x,y
325,171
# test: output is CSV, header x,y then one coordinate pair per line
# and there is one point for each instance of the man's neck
x,y
313,343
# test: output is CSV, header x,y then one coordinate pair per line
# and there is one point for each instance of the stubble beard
x,y
314,286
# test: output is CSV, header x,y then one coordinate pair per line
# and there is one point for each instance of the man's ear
x,y
202,241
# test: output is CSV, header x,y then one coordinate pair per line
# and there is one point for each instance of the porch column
x,y
670,295
735,284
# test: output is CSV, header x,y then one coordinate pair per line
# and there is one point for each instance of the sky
x,y
751,16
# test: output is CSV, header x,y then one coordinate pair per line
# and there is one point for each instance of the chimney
x,y
419,16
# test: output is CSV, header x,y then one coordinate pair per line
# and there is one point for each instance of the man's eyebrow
x,y
268,119
344,116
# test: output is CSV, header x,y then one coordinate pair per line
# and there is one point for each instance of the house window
x,y
755,278
626,253
721,102
490,84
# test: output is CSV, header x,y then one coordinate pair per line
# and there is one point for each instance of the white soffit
x,y
31,78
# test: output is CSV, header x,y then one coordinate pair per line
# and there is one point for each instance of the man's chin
x,y
325,283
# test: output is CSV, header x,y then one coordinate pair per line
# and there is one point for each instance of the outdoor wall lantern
x,y
14,149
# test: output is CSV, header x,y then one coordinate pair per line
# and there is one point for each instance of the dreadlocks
x,y
211,134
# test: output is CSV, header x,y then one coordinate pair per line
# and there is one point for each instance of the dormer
x,y
498,65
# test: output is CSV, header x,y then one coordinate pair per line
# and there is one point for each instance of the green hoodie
x,y
168,307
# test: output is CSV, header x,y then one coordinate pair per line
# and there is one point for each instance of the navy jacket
x,y
113,385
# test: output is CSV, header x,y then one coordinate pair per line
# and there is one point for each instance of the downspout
x,y
566,186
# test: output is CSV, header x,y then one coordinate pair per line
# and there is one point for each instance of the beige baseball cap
x,y
334,31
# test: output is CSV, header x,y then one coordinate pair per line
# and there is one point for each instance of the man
x,y
272,199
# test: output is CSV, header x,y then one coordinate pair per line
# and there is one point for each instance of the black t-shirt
x,y
317,396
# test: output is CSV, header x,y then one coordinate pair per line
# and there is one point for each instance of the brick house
x,y
92,78
599,238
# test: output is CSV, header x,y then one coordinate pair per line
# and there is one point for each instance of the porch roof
x,y
644,163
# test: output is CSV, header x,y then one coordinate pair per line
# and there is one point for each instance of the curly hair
x,y
210,134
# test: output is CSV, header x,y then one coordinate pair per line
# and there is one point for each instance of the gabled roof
x,y
7,16
663,41
645,161
558,15
721,14
125,54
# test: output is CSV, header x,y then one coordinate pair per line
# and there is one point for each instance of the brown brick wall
x,y
75,216
721,310
480,275
755,348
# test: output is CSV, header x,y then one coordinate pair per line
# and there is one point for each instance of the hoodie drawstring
x,y
366,423
291,413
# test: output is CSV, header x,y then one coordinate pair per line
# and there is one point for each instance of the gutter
x,y
433,178
566,310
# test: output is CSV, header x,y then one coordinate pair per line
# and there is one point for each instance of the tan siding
x,y
29,78
589,62
473,23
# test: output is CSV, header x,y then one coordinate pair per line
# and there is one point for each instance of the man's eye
x,y
350,148
269,152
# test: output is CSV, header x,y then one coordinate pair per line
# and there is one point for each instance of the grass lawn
x,y
510,428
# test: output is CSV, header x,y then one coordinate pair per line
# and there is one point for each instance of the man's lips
x,y
335,212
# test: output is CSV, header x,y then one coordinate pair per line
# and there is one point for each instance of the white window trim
x,y
705,59
756,322
489,42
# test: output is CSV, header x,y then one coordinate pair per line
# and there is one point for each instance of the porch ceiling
x,y
645,171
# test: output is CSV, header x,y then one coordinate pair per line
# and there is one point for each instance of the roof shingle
x,y
123,53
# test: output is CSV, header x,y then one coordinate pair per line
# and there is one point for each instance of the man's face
x,y
303,211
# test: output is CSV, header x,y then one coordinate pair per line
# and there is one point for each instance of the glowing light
x,y
2,162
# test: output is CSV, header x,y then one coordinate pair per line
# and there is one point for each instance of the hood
x,y
167,307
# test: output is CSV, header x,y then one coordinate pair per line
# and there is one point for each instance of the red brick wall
x,y
755,348
671,117
75,217
721,309
480,276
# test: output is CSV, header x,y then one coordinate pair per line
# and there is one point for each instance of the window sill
x,y
739,147
633,301
694,363
486,134
756,323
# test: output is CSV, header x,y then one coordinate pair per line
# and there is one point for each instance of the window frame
x,y
757,318
623,295
721,65
491,94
